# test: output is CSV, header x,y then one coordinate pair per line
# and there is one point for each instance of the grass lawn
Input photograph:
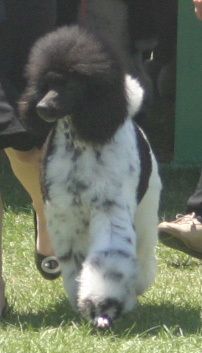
x,y
40,320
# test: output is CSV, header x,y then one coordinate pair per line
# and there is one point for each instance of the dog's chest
x,y
80,175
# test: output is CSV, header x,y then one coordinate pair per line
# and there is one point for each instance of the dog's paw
x,y
101,313
107,287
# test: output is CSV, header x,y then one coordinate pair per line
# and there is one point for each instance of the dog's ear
x,y
29,117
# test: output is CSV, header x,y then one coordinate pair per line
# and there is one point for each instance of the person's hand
x,y
198,8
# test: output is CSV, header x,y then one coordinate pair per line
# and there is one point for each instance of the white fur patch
x,y
135,94
104,239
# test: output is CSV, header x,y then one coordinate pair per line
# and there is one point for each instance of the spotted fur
x,y
101,193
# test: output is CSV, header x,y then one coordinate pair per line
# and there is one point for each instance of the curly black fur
x,y
86,78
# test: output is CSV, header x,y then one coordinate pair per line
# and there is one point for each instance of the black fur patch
x,y
92,90
96,262
145,163
89,307
66,257
114,276
111,303
79,259
45,185
115,252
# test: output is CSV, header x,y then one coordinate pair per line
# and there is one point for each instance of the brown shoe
x,y
184,234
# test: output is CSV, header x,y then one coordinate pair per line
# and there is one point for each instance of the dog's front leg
x,y
63,235
107,281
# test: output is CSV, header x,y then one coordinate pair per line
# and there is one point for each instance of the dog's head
x,y
70,72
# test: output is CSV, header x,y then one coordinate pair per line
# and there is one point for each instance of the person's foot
x,y
184,234
2,298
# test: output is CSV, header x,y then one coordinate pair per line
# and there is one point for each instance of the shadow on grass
x,y
54,316
147,320
13,194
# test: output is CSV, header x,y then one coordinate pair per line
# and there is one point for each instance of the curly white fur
x,y
104,239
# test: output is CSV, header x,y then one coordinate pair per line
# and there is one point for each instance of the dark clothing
x,y
25,22
2,12
21,23
194,203
12,133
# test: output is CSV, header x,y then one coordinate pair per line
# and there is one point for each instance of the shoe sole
x,y
176,244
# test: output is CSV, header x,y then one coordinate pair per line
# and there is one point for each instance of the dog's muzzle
x,y
49,108
46,113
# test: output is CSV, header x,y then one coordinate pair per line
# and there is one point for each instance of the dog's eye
x,y
51,80
48,86
43,87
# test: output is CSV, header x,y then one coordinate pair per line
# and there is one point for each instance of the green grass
x,y
168,316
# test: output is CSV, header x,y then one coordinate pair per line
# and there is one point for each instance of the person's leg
x,y
26,167
2,284
194,202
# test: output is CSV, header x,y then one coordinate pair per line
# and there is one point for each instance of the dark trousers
x,y
194,203
22,22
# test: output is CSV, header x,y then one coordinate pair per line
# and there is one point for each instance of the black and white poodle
x,y
100,178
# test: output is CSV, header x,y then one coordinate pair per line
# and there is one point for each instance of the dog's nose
x,y
44,112
41,109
